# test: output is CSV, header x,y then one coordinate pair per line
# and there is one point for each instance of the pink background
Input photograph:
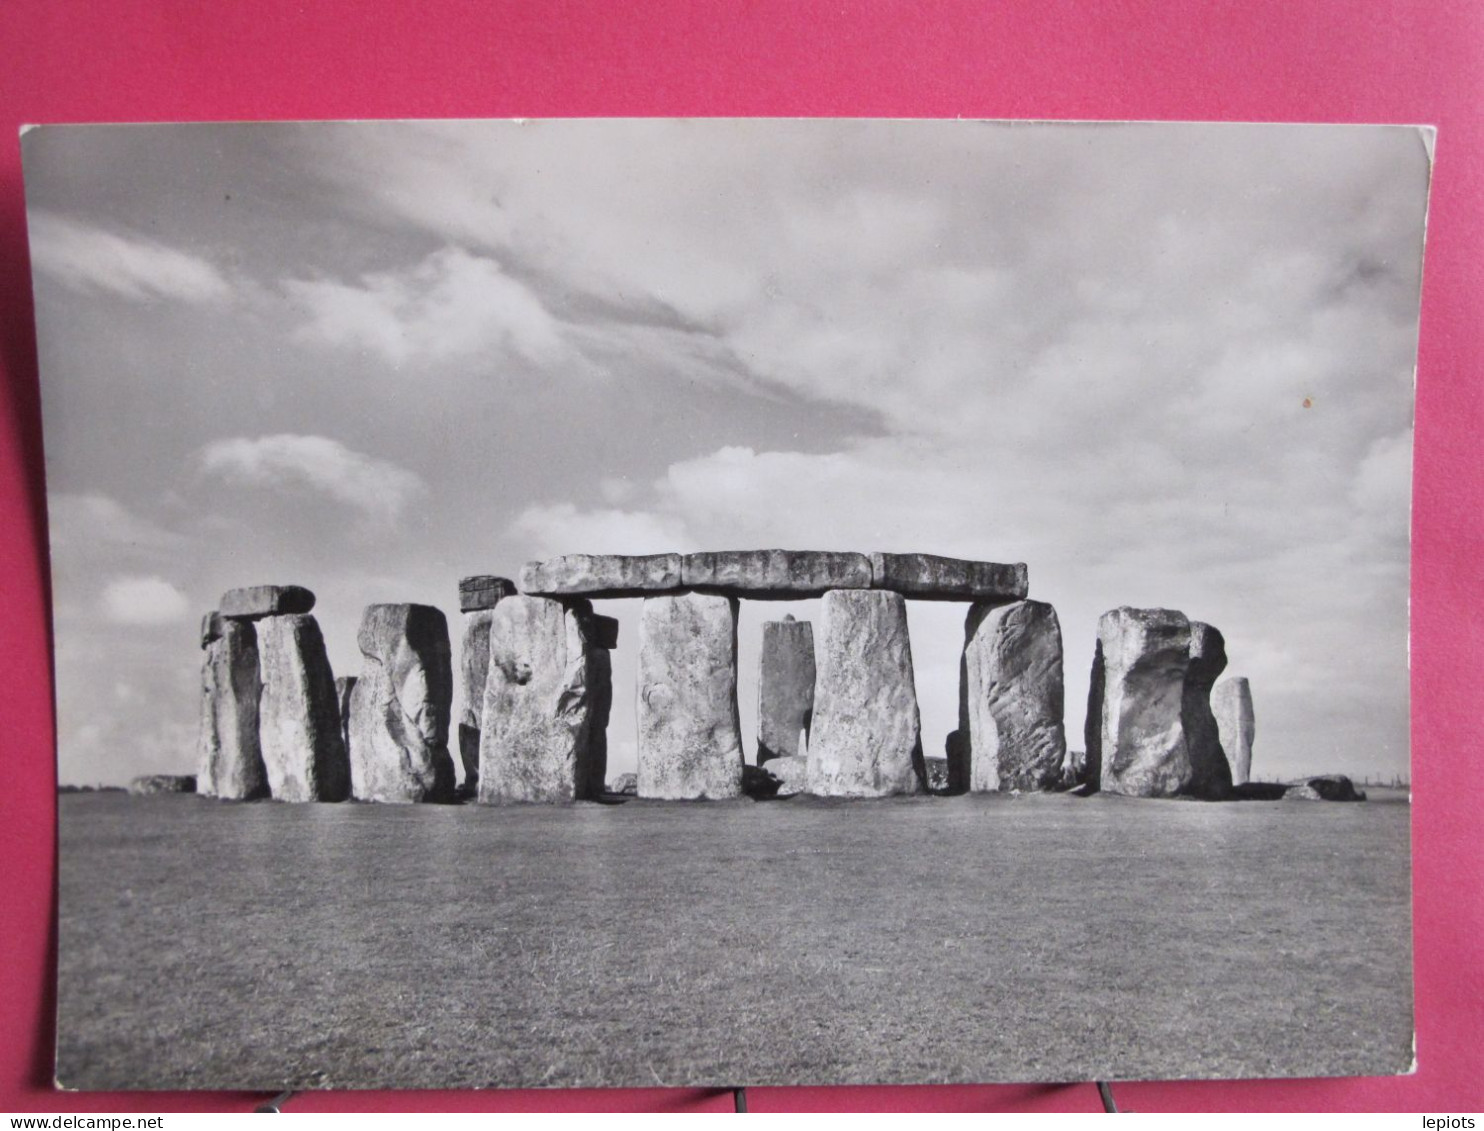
x,y
1257,60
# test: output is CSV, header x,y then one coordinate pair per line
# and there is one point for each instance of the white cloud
x,y
452,305
562,529
377,488
88,258
143,601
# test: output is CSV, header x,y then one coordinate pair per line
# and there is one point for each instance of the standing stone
x,y
536,717
867,737
785,688
231,762
1211,775
474,666
690,735
344,686
1011,699
1232,703
1146,733
600,680
399,707
303,751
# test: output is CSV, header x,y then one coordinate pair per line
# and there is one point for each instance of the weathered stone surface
x,y
211,627
534,736
690,741
1326,787
600,685
483,591
1150,732
344,686
257,601
399,707
163,783
1011,699
785,688
624,784
602,575
867,739
1232,703
927,577
230,761
299,719
782,574
791,773
474,667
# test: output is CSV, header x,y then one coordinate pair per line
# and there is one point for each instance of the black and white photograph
x,y
724,602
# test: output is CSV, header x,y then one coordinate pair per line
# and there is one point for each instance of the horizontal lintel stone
x,y
483,591
779,574
256,601
601,575
928,577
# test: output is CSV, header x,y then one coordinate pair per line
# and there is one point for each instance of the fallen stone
x,y
758,783
602,575
474,667
927,577
1011,698
785,688
1147,734
163,783
399,707
1326,787
791,574
266,601
299,719
867,739
534,737
690,743
624,784
483,591
1073,770
1232,703
230,760
211,627
792,774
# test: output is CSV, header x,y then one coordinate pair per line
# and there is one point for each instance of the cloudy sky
x,y
1164,365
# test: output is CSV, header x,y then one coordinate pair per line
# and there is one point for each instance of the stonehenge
x,y
1011,699
399,707
785,688
690,733
1150,731
867,739
837,710
1232,702
538,705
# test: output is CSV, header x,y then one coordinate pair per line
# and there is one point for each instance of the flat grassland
x,y
913,940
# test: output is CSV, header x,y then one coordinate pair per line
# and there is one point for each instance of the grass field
x,y
968,939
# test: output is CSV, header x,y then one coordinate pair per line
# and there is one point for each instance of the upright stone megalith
x,y
1232,703
785,688
867,736
1151,737
1011,698
1211,776
534,735
400,705
478,596
299,718
344,686
690,734
230,765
